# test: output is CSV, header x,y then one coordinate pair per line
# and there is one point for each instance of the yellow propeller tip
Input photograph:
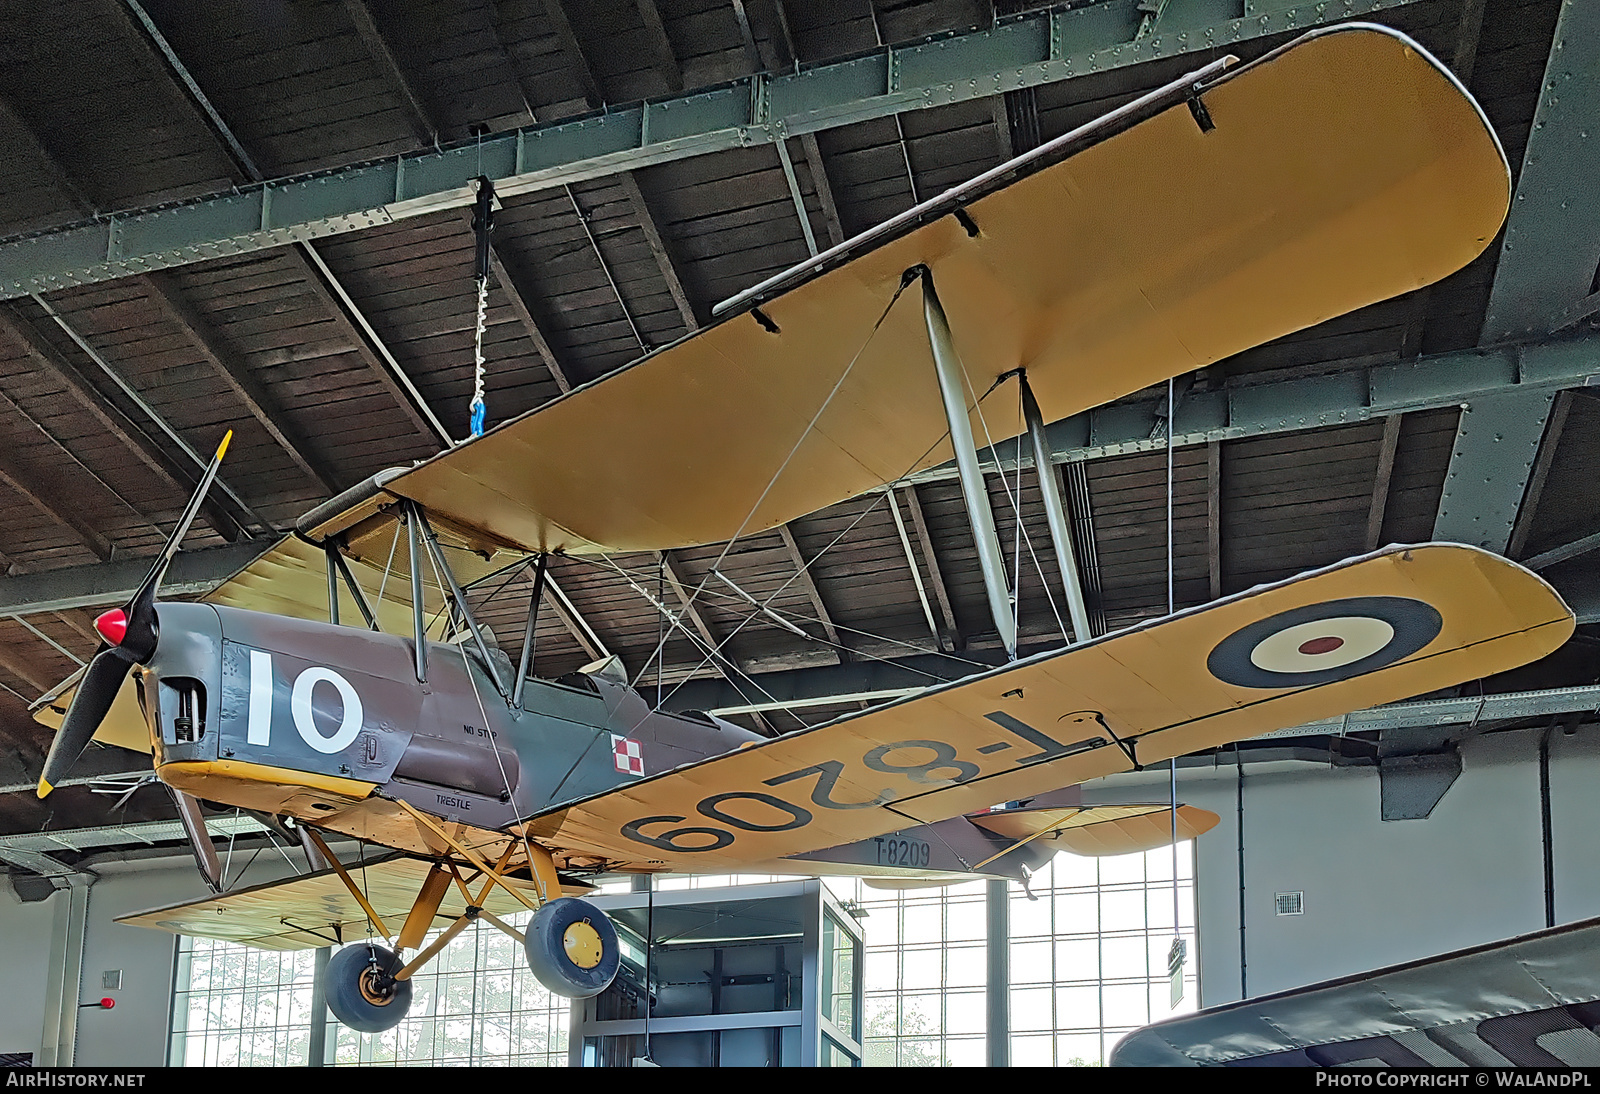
x,y
44,789
223,447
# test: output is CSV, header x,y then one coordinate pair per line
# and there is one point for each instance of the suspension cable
x,y
482,225
1177,933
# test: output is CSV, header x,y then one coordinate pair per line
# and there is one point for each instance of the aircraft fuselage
x,y
303,717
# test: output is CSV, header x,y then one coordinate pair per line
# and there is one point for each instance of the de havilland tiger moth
x,y
1228,208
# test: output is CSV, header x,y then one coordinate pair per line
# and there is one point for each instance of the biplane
x,y
1234,205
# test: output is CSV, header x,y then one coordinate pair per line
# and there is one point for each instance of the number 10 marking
x,y
259,726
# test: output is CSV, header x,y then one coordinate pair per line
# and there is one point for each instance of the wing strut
x,y
349,883
953,387
1055,512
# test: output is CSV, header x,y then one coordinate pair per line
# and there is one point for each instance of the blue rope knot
x,y
477,417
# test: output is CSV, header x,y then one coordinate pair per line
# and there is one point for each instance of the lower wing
x,y
1387,626
317,909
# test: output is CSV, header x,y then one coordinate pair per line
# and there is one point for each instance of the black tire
x,y
361,994
546,947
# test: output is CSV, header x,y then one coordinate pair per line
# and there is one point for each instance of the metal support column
x,y
1055,512
317,1054
953,387
999,987
64,974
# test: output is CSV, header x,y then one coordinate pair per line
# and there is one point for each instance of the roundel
x,y
1321,643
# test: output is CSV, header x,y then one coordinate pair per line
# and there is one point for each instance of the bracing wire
x,y
724,662
1172,607
905,282
1015,501
774,595
826,548
387,566
729,601
505,779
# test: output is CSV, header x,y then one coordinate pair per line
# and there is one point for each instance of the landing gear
x,y
362,991
572,948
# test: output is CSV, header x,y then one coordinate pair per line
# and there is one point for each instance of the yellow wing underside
x,y
1093,830
958,748
308,911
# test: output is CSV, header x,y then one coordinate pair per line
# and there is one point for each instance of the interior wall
x,y
1382,892
25,932
134,1032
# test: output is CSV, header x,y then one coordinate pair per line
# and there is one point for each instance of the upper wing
x,y
1345,168
1387,626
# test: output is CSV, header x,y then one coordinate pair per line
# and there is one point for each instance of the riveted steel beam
x,y
876,681
1552,239
157,54
1027,50
1444,380
1354,395
1496,444
106,584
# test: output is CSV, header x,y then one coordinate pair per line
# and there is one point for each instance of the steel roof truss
x,y
1027,50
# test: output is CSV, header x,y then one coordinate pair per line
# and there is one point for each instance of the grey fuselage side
x,y
306,696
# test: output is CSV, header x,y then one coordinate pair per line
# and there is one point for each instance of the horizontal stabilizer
x,y
1099,830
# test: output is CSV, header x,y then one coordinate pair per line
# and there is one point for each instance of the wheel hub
x,y
376,988
582,945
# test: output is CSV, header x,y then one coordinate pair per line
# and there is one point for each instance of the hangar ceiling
x,y
182,252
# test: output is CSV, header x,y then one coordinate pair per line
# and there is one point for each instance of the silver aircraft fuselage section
x,y
226,684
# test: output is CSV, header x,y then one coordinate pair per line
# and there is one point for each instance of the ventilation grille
x,y
1290,903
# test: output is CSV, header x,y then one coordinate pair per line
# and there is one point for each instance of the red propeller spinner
x,y
112,625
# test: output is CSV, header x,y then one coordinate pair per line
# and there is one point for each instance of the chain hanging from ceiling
x,y
482,225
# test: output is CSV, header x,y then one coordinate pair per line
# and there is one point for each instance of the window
x,y
1088,964
236,1007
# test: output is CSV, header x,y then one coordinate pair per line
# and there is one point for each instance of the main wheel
x,y
572,948
362,991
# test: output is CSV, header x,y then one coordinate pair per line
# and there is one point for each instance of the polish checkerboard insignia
x,y
627,754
